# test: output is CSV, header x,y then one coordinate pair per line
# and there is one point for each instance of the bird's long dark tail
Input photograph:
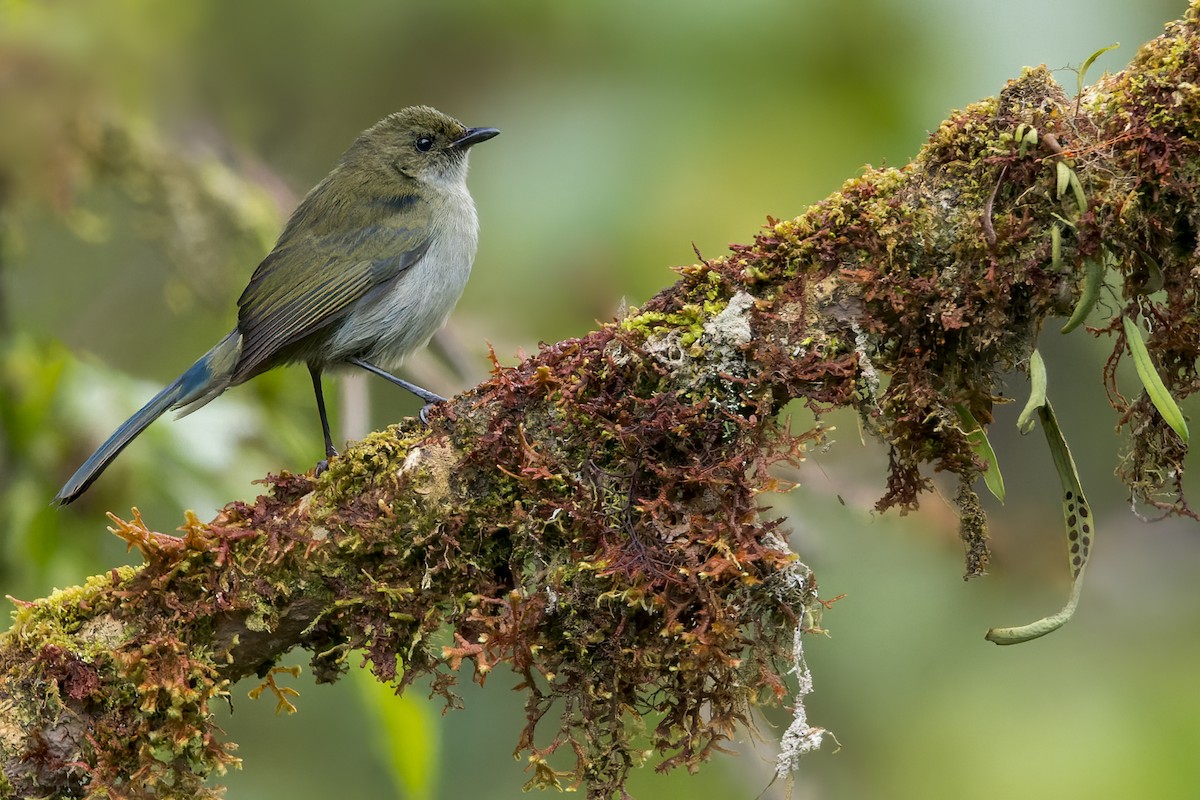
x,y
203,381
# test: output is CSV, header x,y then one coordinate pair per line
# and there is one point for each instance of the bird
x,y
367,268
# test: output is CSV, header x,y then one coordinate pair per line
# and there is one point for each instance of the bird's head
x,y
417,143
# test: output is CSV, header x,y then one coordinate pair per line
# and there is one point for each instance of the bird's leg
x,y
429,397
330,452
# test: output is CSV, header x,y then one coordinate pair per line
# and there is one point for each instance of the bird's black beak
x,y
474,136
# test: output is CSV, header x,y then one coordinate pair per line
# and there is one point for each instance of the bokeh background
x,y
145,148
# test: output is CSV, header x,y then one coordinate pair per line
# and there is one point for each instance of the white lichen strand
x,y
789,584
800,737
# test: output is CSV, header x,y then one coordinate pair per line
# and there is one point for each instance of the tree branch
x,y
589,516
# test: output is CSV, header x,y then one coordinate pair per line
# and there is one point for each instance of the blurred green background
x,y
630,131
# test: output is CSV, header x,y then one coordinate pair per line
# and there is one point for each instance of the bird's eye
x,y
423,144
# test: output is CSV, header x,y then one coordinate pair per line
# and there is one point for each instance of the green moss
x,y
591,516
687,322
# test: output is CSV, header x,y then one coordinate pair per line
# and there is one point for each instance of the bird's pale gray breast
x,y
411,308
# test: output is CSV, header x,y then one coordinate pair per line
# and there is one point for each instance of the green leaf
x,y
1159,396
980,445
1026,137
1077,519
1063,173
1092,281
406,736
1067,179
1077,188
1037,392
1092,60
1154,275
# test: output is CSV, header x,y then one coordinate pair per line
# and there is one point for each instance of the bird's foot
x,y
323,464
425,409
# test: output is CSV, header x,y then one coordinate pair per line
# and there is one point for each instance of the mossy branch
x,y
589,516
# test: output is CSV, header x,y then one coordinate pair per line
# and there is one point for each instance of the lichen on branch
x,y
589,518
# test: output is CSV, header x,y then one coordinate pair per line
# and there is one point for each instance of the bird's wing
x,y
316,273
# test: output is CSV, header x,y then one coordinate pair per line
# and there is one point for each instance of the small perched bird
x,y
367,268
